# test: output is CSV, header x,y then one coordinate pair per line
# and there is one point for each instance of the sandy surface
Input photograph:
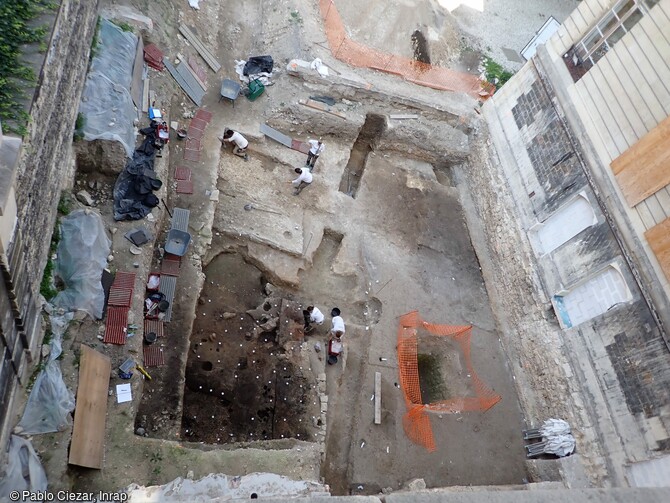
x,y
403,229
452,34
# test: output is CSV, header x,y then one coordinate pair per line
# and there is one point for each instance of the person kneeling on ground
x,y
312,315
239,142
337,324
302,181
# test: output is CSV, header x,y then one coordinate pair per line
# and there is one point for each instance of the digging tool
x,y
166,208
311,234
142,371
383,286
250,207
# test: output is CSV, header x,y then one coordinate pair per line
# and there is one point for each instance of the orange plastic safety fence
x,y
360,55
416,421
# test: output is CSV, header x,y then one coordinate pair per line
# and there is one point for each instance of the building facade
x,y
582,133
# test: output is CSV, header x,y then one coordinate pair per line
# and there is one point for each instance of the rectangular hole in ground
x,y
372,129
241,385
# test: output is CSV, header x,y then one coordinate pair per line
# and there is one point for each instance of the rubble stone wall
x,y
43,168
44,164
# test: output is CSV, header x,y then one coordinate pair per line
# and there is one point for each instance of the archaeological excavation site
x,y
294,250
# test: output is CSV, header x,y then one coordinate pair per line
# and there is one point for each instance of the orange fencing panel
x,y
362,56
416,421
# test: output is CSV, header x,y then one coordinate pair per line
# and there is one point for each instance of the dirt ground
x,y
379,233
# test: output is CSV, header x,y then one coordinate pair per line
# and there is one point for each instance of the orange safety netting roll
x,y
360,55
416,421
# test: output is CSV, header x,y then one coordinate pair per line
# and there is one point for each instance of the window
x,y
610,29
565,224
593,297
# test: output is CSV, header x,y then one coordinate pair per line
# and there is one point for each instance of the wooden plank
x,y
655,71
604,108
643,74
636,74
138,71
88,434
658,238
195,76
655,209
631,86
625,112
645,216
378,398
322,107
643,169
403,116
145,94
187,74
580,20
585,89
663,197
202,50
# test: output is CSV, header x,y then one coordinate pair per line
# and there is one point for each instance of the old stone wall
x,y
607,375
43,168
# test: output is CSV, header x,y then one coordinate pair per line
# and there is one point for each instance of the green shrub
x,y
79,127
495,73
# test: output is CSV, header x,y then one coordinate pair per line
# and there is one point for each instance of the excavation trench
x,y
372,129
242,384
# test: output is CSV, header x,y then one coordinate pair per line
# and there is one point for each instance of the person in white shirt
x,y
312,315
302,181
315,150
337,327
238,141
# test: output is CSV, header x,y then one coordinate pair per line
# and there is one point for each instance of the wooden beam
x,y
403,116
378,398
642,170
88,434
322,107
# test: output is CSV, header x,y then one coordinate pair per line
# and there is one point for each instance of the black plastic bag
x,y
258,64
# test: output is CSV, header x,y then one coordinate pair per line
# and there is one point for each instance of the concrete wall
x,y
43,168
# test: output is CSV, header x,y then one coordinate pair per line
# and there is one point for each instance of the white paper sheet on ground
x,y
194,3
123,393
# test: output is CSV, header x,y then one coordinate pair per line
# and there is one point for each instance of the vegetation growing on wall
x,y
495,73
48,287
15,76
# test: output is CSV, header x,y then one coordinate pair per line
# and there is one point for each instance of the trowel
x,y
250,207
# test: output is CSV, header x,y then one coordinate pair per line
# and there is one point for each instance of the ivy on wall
x,y
17,30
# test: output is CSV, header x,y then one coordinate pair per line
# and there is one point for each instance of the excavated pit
x,y
420,47
242,385
372,129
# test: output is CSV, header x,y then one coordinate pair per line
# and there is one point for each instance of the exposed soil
x,y
351,178
420,46
398,243
241,387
